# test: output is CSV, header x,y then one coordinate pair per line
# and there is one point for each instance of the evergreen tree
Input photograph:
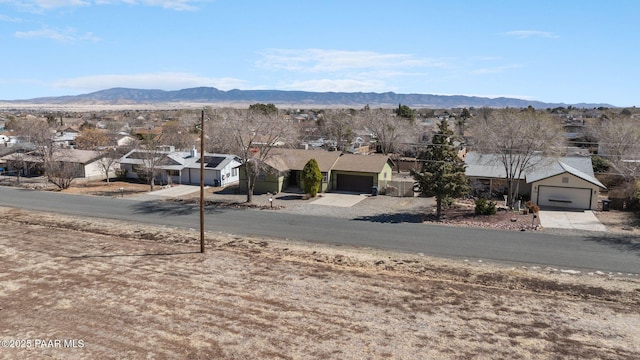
x,y
442,173
265,109
405,112
312,177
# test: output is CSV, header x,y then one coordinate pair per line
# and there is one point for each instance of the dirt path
x,y
117,290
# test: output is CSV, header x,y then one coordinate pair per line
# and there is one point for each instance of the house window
x,y
262,177
565,180
173,172
234,172
325,177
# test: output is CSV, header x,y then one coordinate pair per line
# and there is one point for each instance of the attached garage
x,y
354,183
567,190
562,182
565,197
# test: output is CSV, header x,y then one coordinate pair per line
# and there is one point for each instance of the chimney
x,y
194,152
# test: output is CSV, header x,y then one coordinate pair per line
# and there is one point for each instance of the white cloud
x,y
51,4
337,85
66,35
162,81
495,70
6,18
179,5
524,34
321,60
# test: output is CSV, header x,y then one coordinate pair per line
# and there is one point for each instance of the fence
x,y
400,188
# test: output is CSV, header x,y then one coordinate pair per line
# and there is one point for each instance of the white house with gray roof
x,y
183,167
564,182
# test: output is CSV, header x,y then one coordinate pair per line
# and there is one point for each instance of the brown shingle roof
x,y
277,163
361,163
64,155
296,159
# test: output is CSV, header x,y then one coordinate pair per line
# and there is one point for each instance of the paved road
x,y
596,252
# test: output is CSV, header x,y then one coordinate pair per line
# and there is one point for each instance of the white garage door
x,y
573,198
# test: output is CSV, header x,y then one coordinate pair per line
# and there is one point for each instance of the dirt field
x,y
77,288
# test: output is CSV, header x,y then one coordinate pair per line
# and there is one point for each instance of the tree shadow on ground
x,y
396,218
170,208
188,207
229,190
626,243
290,197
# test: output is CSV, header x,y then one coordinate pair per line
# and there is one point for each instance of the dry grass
x,y
112,189
133,291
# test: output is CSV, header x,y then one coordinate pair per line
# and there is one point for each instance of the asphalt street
x,y
596,252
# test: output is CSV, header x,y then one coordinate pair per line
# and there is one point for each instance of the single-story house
x,y
566,182
88,163
182,167
340,171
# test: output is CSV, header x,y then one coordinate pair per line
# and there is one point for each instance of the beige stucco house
x,y
563,182
340,171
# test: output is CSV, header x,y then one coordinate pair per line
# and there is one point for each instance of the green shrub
x,y
485,207
312,178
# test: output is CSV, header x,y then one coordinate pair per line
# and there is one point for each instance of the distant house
x,y
66,136
123,139
565,182
149,132
183,167
340,171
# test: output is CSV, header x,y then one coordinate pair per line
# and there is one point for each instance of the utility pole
x,y
202,182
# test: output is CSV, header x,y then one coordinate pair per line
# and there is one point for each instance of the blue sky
x,y
552,51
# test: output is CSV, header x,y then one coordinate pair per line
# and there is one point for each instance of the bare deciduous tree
x,y
619,142
249,134
518,137
40,135
92,139
152,156
390,130
178,134
108,162
337,125
61,169
19,163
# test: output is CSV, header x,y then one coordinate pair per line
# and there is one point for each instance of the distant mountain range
x,y
211,95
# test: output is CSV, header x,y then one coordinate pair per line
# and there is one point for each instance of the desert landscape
x,y
107,289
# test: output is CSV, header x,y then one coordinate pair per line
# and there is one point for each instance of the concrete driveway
x,y
339,199
571,220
